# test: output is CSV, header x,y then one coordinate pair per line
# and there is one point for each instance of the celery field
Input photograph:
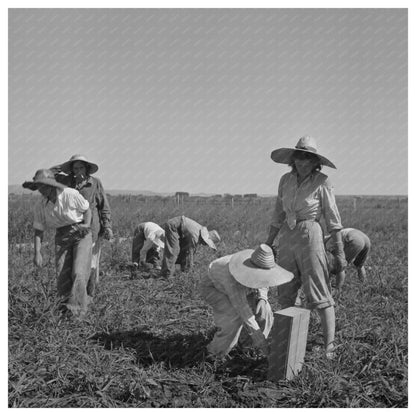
x,y
143,341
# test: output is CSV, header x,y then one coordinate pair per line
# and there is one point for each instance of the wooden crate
x,y
288,345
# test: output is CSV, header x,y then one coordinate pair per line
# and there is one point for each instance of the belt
x,y
68,226
298,221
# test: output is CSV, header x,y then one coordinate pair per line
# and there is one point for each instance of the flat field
x,y
142,343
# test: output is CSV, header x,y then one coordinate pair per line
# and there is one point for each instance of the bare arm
x,y
37,258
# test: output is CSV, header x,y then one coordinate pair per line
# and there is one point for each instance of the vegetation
x,y
143,343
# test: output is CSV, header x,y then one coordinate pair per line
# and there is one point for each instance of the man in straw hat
x,y
305,196
148,241
182,237
76,173
67,211
230,280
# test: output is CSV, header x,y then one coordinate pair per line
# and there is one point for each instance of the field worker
x,y
226,287
182,237
148,241
356,248
304,196
76,173
67,211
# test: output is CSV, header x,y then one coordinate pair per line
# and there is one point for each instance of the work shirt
x,y
310,200
153,235
191,232
330,245
92,190
69,208
224,282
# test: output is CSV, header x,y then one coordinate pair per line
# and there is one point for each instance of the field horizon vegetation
x,y
142,344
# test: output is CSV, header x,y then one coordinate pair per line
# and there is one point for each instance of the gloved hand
x,y
108,233
259,341
340,263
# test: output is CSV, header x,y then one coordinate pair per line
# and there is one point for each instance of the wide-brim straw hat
x,y
257,268
305,144
43,177
210,237
67,166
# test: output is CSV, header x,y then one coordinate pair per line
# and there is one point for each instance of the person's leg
x,y
226,319
137,245
362,258
95,267
286,248
172,248
63,263
79,299
313,265
327,316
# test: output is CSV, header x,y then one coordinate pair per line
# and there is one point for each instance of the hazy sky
x,y
196,99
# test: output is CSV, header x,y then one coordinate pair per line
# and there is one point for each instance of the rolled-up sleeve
x,y
329,207
39,222
278,215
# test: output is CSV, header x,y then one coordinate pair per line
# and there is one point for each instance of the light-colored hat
x,y
257,268
67,166
305,144
43,177
210,237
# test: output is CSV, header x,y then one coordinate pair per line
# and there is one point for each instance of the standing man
x,y
76,173
182,237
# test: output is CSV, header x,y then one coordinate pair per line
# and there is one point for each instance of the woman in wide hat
x,y
305,196
228,288
77,173
67,211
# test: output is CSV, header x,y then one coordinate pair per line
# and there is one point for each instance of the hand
x,y
37,260
108,233
264,348
83,229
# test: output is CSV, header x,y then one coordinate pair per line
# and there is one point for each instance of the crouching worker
x,y
66,210
357,245
182,237
148,241
229,281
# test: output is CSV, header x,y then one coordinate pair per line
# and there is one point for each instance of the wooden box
x,y
288,343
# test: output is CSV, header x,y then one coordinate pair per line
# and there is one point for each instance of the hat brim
x,y
34,186
284,155
66,167
207,240
249,275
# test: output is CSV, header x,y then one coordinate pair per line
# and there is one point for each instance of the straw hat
x,y
67,166
210,237
43,177
305,144
257,268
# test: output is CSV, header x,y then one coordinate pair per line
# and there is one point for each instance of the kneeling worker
x,y
229,281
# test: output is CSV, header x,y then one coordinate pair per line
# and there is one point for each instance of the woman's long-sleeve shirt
x,y
312,199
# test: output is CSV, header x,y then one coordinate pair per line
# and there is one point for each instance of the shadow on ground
x,y
182,351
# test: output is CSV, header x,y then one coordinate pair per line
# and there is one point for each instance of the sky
x,y
195,100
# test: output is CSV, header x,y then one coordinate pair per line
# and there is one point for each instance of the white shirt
x,y
69,208
153,234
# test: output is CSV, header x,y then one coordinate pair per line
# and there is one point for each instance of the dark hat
x,y
67,166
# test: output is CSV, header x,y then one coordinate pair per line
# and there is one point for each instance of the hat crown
x,y
263,257
78,157
43,174
307,143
